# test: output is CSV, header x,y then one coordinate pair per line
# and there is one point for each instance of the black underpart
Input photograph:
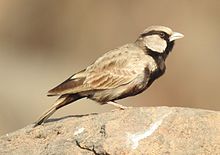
x,y
160,60
156,74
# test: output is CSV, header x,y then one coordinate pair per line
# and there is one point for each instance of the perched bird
x,y
125,71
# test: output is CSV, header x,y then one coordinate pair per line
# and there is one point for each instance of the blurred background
x,y
43,42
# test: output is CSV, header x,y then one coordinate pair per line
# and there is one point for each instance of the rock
x,y
153,130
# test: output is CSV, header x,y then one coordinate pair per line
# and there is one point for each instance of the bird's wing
x,y
73,84
116,68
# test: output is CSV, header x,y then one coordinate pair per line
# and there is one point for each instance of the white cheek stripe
x,y
155,43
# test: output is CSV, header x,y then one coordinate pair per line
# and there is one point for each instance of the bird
x,y
119,73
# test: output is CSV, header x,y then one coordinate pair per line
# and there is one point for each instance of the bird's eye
x,y
162,35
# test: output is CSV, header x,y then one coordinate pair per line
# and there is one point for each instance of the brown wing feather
x,y
69,84
66,85
110,78
115,68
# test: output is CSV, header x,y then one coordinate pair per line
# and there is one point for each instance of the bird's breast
x,y
150,63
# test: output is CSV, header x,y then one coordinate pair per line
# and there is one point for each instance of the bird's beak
x,y
175,36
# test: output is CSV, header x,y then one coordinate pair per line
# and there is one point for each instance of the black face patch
x,y
162,34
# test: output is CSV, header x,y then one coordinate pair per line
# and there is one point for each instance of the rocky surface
x,y
153,130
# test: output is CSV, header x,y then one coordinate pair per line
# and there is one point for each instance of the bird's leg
x,y
117,105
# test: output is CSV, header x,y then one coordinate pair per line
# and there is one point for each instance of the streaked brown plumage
x,y
119,73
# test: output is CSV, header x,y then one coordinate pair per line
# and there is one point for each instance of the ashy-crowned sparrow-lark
x,y
125,71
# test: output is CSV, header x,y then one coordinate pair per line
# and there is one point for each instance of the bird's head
x,y
159,39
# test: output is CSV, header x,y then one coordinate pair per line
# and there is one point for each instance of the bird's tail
x,y
61,101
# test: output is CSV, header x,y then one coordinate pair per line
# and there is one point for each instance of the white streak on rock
x,y
79,131
135,138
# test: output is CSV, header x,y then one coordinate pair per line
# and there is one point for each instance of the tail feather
x,y
62,101
45,116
